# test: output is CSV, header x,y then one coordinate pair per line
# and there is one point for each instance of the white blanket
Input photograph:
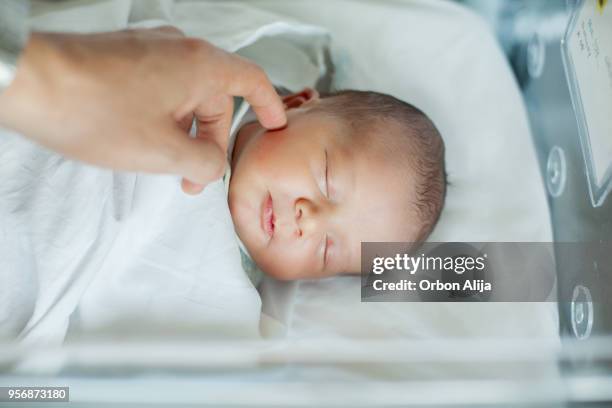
x,y
146,255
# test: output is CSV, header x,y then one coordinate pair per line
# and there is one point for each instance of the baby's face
x,y
303,198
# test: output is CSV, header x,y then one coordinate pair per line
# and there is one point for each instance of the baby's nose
x,y
307,216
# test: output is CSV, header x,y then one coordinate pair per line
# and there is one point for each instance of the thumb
x,y
190,187
200,161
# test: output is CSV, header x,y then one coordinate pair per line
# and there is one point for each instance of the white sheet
x,y
445,60
146,256
52,239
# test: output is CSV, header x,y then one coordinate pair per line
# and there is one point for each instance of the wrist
x,y
8,66
13,35
19,101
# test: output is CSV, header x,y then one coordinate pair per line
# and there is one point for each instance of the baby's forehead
x,y
380,147
382,183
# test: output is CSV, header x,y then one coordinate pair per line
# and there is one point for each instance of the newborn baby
x,y
349,167
87,249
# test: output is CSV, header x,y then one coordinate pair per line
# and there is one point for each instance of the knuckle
x,y
259,74
261,84
169,29
252,69
193,47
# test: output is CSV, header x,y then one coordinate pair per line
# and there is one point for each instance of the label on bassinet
x,y
587,51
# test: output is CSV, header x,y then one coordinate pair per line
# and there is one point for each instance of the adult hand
x,y
127,99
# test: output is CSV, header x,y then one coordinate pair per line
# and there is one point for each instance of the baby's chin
x,y
270,264
287,271
280,272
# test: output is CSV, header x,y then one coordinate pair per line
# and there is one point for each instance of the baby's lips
x,y
268,216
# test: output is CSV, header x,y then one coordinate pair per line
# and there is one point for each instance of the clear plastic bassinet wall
x,y
562,55
320,344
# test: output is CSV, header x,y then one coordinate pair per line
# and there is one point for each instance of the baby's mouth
x,y
267,216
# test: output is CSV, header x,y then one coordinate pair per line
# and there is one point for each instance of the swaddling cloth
x,y
131,251
56,227
174,264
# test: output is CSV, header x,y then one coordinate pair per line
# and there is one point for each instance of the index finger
x,y
248,80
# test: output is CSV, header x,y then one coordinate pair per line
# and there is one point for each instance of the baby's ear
x,y
298,99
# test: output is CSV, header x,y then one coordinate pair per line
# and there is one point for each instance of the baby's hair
x,y
418,143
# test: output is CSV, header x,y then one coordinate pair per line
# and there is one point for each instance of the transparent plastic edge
x,y
597,192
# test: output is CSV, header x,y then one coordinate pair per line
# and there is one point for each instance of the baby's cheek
x,y
291,262
268,150
271,169
274,262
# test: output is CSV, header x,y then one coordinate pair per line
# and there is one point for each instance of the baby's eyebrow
x,y
340,171
326,169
